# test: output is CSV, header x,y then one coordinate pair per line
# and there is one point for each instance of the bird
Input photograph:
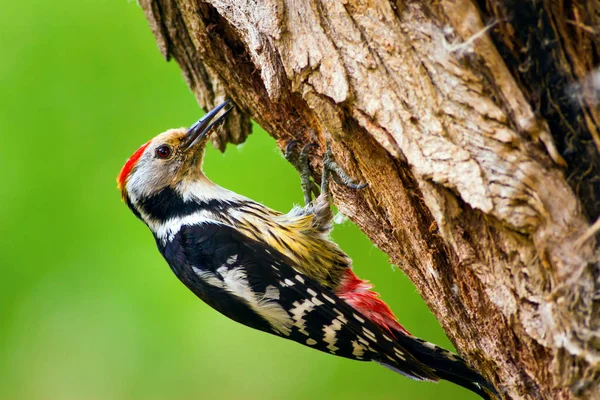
x,y
280,273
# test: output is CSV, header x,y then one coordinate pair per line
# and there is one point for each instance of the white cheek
x,y
148,177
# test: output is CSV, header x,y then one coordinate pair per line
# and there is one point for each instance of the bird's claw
x,y
289,151
331,169
301,162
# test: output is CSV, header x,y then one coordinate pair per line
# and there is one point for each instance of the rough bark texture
x,y
479,144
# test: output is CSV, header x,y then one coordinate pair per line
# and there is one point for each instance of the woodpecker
x,y
275,272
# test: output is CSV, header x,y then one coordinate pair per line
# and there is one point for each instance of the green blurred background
x,y
89,309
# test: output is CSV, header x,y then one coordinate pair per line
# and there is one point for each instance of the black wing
x,y
254,284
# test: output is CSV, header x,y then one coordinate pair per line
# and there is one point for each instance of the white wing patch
x,y
369,334
358,350
235,281
287,282
298,313
399,354
271,292
358,318
341,316
330,336
329,299
316,301
209,277
429,345
363,341
232,259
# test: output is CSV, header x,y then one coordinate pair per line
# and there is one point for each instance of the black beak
x,y
200,129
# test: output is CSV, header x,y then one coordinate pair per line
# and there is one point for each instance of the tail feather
x,y
428,362
448,366
397,370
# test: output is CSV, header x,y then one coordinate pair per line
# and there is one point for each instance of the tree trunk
x,y
479,144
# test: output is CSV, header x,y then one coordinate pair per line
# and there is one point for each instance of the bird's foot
x,y
331,169
300,161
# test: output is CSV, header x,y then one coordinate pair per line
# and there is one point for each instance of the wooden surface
x,y
479,144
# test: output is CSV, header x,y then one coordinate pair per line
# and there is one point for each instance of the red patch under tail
x,y
359,295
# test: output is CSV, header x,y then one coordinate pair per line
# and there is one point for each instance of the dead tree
x,y
475,124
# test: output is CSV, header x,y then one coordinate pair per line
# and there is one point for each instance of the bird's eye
x,y
163,151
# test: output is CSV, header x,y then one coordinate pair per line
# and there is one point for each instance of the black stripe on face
x,y
132,208
168,203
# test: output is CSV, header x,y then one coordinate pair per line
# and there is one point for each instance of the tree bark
x,y
479,144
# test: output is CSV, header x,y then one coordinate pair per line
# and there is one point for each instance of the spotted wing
x,y
254,284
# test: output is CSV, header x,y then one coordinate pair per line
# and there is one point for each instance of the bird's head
x,y
168,162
